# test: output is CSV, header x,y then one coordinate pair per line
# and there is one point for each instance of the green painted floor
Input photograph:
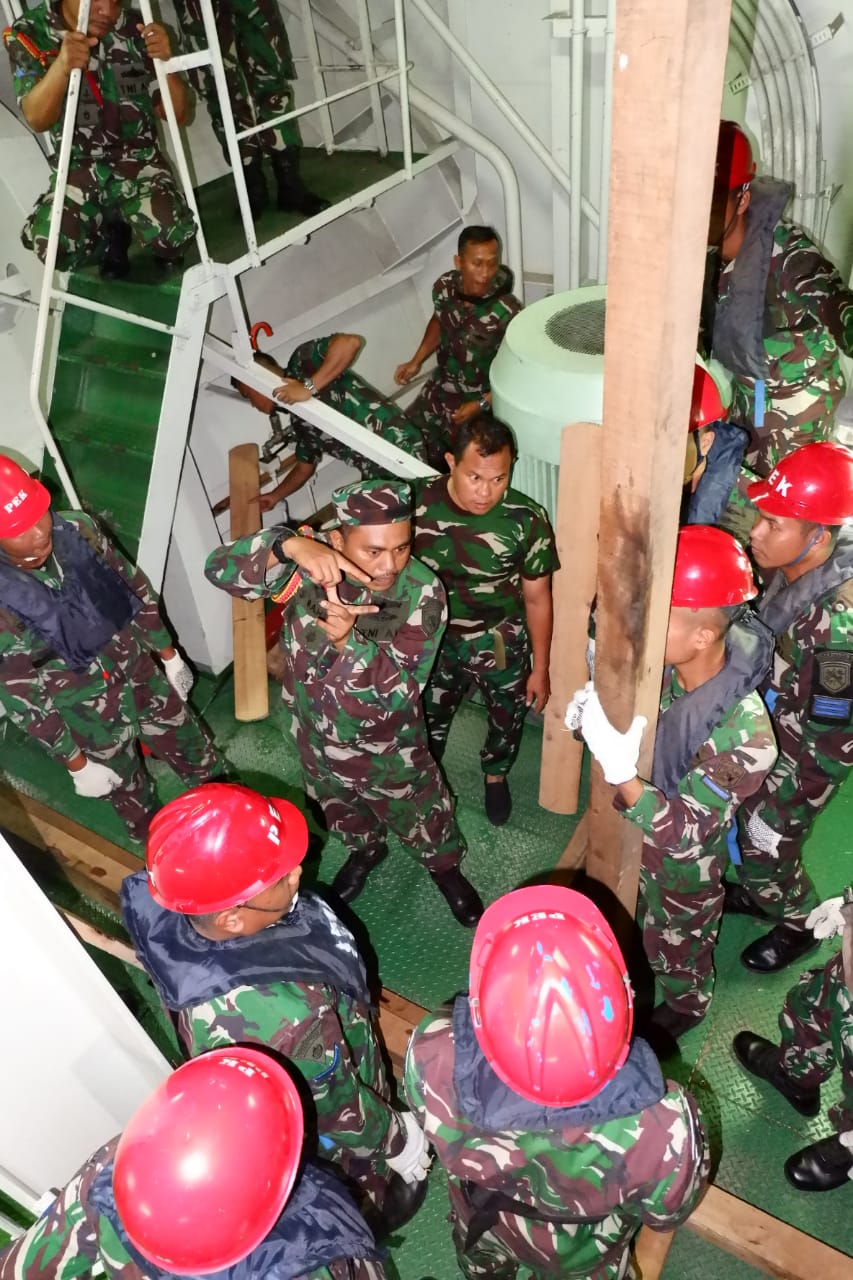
x,y
424,957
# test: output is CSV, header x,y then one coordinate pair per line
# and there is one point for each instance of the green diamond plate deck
x,y
424,957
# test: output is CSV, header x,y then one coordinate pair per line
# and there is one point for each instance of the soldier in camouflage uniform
x,y
236,957
472,306
258,70
361,629
817,1034
119,182
79,628
258,1210
558,1134
494,551
776,314
321,368
713,749
807,563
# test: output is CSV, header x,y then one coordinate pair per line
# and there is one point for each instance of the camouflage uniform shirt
x,y
36,690
647,1167
72,1239
361,402
116,112
481,559
808,316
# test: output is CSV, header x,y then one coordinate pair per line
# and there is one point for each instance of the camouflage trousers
x,y
139,705
361,402
817,1035
788,801
544,1249
432,413
353,1124
141,190
680,908
790,421
258,69
496,662
365,796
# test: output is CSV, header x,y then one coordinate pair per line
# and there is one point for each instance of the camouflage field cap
x,y
373,502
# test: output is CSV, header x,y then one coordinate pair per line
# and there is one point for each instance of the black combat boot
x,y
763,1059
675,1022
256,186
498,802
401,1203
293,195
784,944
117,237
350,880
822,1166
461,896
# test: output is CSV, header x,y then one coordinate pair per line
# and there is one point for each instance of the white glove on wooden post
x,y
616,752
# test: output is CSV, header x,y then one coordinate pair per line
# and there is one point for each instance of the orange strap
x,y
294,582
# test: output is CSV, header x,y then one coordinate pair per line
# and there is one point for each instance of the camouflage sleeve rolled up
x,y
240,567
70,1239
728,767
301,1023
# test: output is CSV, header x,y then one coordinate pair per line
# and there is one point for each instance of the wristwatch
x,y
484,403
308,383
283,534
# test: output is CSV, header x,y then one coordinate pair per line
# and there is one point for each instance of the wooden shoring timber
x,y
668,78
251,686
574,588
773,1246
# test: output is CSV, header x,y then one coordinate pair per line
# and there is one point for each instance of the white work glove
x,y
179,676
826,921
616,752
94,780
414,1160
762,835
590,656
574,711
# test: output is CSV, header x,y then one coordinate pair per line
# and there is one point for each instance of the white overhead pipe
x,y
500,101
576,142
606,136
490,151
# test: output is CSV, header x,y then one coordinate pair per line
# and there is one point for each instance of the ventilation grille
x,y
579,328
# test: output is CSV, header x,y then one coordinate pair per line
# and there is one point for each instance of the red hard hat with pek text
x,y
813,483
23,499
206,1164
220,844
712,570
550,1000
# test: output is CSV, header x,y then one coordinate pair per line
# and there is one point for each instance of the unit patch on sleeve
x,y
832,687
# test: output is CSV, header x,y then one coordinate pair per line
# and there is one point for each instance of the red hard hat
x,y
706,406
220,844
711,570
735,164
23,499
205,1166
813,483
550,999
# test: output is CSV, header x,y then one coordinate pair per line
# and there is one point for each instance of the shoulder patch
x,y
725,772
431,614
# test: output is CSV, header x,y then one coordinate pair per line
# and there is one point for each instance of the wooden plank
x,y
668,78
93,865
251,686
765,1242
575,852
650,1252
574,589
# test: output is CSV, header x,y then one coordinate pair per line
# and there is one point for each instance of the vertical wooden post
x,y
668,77
574,588
251,686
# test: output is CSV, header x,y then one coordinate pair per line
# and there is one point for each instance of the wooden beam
x,y
774,1247
668,78
650,1252
575,852
251,686
574,588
